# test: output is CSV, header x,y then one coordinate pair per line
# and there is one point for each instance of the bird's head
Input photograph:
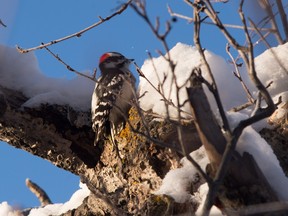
x,y
114,60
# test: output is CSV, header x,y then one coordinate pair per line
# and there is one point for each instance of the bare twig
x,y
268,46
283,17
197,10
190,20
79,33
213,85
241,107
248,57
140,9
70,68
161,86
268,8
1,23
238,75
39,192
245,105
260,39
263,22
167,102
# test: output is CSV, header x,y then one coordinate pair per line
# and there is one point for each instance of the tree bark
x,y
65,138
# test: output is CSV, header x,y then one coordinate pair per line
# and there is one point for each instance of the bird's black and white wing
x,y
104,99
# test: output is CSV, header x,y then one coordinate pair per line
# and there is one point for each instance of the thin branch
x,y
263,22
244,106
140,9
39,192
241,107
139,111
283,17
167,101
238,75
268,46
93,78
215,19
79,33
248,59
262,113
190,20
1,23
232,139
161,84
260,39
268,8
215,92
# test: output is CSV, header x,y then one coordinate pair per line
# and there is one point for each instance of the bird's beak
x,y
131,60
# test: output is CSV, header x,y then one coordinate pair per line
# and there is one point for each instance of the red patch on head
x,y
104,57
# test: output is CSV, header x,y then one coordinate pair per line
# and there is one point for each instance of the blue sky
x,y
32,22
36,21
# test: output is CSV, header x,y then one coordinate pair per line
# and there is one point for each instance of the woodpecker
x,y
112,96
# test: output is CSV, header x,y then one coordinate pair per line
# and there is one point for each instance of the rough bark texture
x,y
277,137
64,137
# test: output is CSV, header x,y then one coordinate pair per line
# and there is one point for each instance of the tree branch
x,y
1,23
213,85
268,46
190,20
79,33
268,8
93,78
283,17
39,192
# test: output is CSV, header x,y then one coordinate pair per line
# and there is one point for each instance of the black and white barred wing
x,y
105,95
